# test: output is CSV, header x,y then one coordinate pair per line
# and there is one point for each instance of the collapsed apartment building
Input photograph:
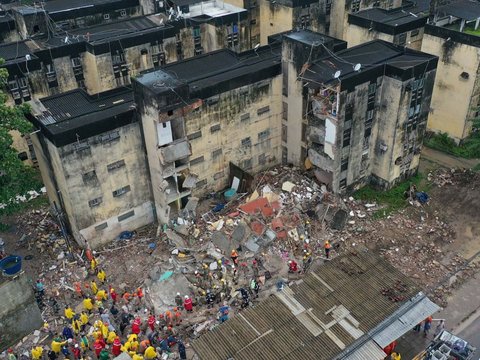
x,y
196,125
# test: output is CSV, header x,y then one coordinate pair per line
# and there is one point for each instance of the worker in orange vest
x,y
327,248
234,256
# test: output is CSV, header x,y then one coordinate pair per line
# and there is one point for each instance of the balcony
x,y
325,103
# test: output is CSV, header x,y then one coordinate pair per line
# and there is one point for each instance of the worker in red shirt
x,y
292,266
113,294
136,326
98,346
188,304
116,347
151,322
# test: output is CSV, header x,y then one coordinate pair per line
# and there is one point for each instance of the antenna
x,y
337,74
357,67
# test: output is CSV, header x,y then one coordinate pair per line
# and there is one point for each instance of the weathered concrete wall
x,y
83,176
274,18
356,35
19,313
452,106
236,112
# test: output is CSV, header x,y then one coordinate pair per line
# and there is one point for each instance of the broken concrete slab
x,y
339,220
288,186
239,232
252,245
163,291
176,239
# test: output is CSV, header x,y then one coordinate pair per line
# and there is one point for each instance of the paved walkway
x,y
447,160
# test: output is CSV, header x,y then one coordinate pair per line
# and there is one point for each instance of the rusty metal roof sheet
x,y
327,314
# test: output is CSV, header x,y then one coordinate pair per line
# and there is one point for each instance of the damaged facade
x,y
202,117
367,114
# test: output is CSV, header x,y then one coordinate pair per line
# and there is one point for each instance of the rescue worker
x,y
210,298
150,353
151,322
187,304
136,325
37,352
178,316
113,294
69,312
234,256
327,246
102,276
116,347
93,287
292,266
57,344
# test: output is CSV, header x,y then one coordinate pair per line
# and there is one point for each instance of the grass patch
x,y
392,199
469,149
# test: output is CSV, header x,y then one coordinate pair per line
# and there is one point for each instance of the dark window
x,y
80,146
305,21
284,78
23,156
372,88
346,137
197,160
263,110
245,117
247,142
263,135
106,138
126,215
284,110
367,132
95,202
89,176
215,128
355,6
284,133
195,135
262,159
328,7
401,39
344,165
121,191
343,183
414,33
116,165
247,164
304,132
101,226
216,153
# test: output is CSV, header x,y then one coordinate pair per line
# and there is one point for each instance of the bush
x,y
469,149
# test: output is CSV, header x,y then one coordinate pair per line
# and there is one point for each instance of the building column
x,y
462,25
477,22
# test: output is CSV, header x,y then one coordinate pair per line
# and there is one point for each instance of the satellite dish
x,y
337,74
357,67
28,57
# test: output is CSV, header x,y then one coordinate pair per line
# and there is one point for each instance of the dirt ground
x,y
435,243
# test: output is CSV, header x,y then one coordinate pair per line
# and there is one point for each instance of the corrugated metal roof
x,y
370,350
418,311
333,310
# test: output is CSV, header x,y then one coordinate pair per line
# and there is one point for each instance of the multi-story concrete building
x,y
91,156
455,39
204,123
401,26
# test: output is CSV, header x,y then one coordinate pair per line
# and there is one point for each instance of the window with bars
x,y
347,133
115,165
106,138
95,202
355,7
89,176
197,160
247,142
262,159
344,165
263,110
216,153
121,191
263,135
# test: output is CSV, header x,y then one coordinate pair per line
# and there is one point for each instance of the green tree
x,y
16,178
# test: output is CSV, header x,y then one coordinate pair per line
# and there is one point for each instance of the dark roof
x,y
292,323
207,71
105,32
370,55
463,9
395,21
66,115
15,52
54,6
308,37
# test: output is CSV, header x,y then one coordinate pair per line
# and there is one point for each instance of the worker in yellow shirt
x,y
37,353
84,318
104,330
396,356
137,357
57,344
134,345
132,337
126,347
150,353
93,287
102,276
102,295
111,337
87,304
93,264
76,325
69,312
